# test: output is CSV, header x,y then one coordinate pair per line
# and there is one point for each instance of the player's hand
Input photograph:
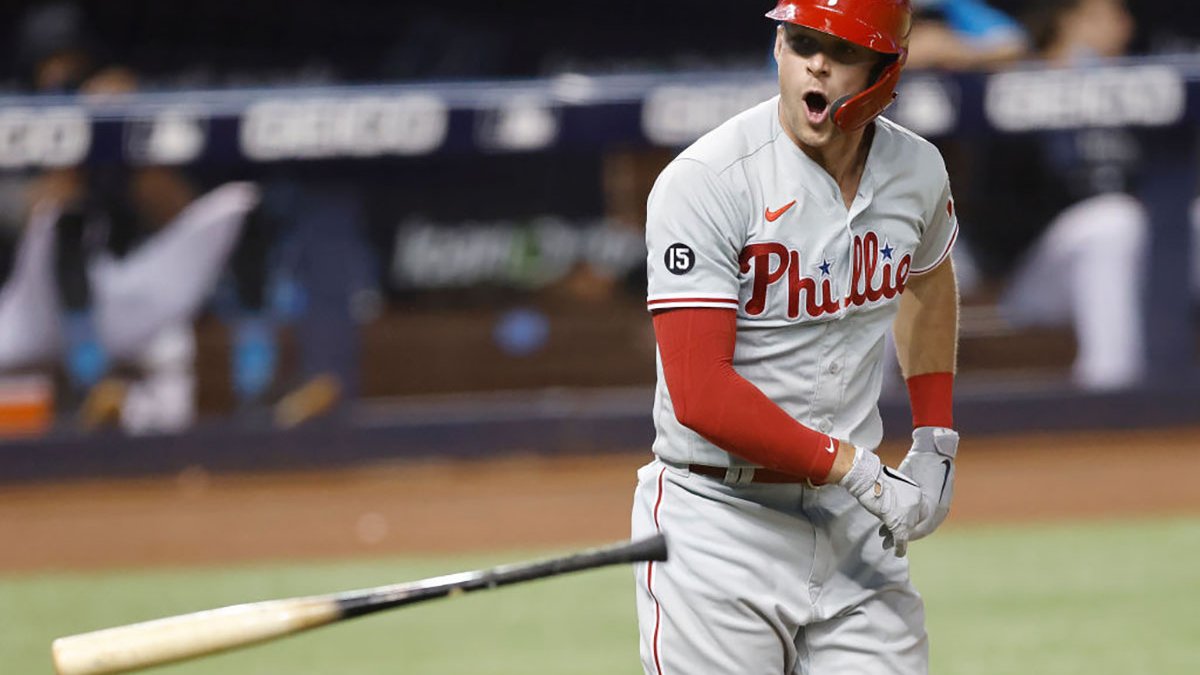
x,y
931,463
891,496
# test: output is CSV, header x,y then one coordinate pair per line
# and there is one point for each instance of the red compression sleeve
x,y
712,399
932,398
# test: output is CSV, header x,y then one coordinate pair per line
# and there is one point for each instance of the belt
x,y
743,475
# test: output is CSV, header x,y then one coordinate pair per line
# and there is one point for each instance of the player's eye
x,y
847,53
805,45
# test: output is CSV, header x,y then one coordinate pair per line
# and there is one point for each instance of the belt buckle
x,y
739,475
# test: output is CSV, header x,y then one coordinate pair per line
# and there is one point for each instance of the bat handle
x,y
141,645
651,548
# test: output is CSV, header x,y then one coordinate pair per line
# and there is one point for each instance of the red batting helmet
x,y
880,25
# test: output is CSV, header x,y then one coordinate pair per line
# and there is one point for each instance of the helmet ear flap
x,y
853,112
884,63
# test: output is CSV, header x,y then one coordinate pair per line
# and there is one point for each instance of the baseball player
x,y
782,246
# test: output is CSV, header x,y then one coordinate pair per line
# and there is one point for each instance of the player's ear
x,y
780,41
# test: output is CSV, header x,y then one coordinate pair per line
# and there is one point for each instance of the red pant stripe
x,y
650,579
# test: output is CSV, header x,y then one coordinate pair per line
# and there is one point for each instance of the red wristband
x,y
931,396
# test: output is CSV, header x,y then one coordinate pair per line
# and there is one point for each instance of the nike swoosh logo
x,y
945,479
899,477
773,216
831,449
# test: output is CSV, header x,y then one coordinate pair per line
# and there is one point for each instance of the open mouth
x,y
816,106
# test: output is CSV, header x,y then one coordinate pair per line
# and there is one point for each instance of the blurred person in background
x,y
964,35
326,284
113,261
1056,220
1196,250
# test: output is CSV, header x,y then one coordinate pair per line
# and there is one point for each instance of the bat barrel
x,y
140,645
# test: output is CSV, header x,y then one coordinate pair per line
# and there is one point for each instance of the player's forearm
x,y
926,330
712,399
926,325
737,417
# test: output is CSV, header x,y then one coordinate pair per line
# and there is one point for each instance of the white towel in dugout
x,y
161,283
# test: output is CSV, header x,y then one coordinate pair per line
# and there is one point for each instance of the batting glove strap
x,y
936,440
863,474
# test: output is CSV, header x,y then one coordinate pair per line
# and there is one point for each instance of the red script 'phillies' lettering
x,y
771,262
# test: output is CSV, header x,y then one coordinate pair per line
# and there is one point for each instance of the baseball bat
x,y
175,638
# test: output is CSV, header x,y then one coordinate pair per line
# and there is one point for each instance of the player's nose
x,y
817,63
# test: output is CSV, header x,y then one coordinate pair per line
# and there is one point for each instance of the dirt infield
x,y
524,502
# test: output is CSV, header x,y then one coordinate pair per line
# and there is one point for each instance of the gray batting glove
x,y
891,496
931,463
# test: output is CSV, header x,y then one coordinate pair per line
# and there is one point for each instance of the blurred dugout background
x,y
240,241
412,225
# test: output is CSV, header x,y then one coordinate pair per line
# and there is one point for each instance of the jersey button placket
x,y
832,379
827,387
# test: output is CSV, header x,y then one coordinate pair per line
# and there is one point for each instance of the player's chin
x,y
814,135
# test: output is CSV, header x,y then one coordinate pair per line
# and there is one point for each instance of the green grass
x,y
1119,598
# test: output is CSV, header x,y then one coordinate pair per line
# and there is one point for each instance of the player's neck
x,y
844,158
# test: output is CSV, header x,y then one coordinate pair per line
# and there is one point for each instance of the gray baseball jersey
x,y
784,578
745,220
